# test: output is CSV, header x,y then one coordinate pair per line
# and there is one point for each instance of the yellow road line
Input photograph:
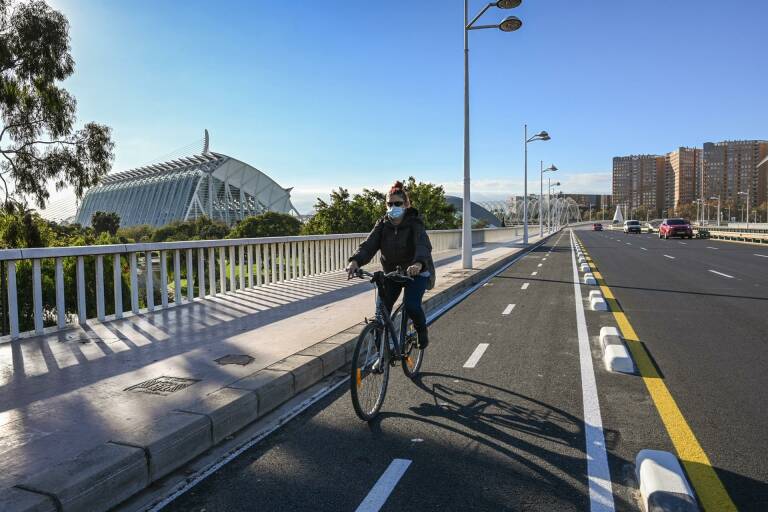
x,y
709,488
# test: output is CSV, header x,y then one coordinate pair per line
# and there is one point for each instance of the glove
x,y
414,269
352,267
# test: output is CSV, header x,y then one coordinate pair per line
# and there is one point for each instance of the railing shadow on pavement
x,y
49,365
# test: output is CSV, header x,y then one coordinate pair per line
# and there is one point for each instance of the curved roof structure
x,y
210,184
477,212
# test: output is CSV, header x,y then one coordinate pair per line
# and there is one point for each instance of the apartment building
x,y
638,180
682,175
731,167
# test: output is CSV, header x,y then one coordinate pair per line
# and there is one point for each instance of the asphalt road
x,y
507,434
701,309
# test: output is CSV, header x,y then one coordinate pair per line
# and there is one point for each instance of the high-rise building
x,y
731,167
682,168
638,180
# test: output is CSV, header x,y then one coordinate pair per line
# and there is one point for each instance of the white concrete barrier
x,y
663,485
589,279
596,301
616,357
585,267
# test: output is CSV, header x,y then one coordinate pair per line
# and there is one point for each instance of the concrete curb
x,y
663,485
615,354
99,479
596,301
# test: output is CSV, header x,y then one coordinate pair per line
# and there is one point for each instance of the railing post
x,y
190,277
312,266
257,248
212,270
117,277
176,277
61,313
232,266
164,278
100,287
13,301
201,273
292,261
81,312
302,248
149,281
241,257
272,251
222,271
37,296
250,265
134,284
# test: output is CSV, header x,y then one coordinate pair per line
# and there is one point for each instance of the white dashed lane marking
x,y
668,256
525,285
508,309
721,274
476,355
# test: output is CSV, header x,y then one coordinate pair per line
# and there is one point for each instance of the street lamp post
x,y
746,194
542,135
718,207
549,203
551,168
508,24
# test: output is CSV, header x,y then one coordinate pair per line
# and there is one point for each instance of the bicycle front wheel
x,y
370,372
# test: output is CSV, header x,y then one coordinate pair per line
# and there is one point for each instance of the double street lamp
x,y
746,194
551,168
549,202
508,24
542,135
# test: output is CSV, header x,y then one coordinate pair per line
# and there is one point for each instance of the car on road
x,y
675,227
597,226
632,226
648,227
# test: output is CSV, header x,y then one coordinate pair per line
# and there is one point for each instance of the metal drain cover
x,y
162,386
240,359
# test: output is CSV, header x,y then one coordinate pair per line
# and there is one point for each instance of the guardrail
x,y
140,273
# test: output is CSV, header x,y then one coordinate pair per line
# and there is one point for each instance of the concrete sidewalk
x,y
92,415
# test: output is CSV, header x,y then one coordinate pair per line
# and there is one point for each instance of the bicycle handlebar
x,y
395,274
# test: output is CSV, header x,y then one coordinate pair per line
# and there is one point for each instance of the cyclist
x,y
403,241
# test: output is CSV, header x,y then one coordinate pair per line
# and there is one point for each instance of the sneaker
x,y
423,340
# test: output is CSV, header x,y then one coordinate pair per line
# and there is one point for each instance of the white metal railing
x,y
208,268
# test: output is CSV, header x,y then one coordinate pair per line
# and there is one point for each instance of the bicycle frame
x,y
384,318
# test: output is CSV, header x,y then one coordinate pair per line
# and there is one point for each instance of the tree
x,y
343,214
104,222
38,140
429,199
266,224
202,228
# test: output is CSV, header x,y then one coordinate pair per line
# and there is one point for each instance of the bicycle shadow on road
x,y
536,441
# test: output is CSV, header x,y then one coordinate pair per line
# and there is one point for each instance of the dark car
x,y
675,227
597,226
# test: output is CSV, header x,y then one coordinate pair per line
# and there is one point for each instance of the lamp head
x,y
542,135
510,24
508,4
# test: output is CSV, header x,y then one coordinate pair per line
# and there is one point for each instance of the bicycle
x,y
372,359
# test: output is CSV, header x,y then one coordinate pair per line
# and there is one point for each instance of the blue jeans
x,y
414,292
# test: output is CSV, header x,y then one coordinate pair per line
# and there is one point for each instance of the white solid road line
x,y
384,486
761,255
668,256
525,285
598,474
476,355
534,273
508,309
721,274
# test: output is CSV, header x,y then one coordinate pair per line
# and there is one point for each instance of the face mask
x,y
395,212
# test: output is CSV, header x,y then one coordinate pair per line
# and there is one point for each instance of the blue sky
x,y
356,94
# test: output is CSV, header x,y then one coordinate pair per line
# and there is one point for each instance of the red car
x,y
675,227
597,227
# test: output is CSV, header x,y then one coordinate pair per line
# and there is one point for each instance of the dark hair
x,y
399,189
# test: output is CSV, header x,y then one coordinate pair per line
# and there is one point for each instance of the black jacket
x,y
400,246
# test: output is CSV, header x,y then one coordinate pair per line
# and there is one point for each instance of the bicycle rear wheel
x,y
370,372
412,355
